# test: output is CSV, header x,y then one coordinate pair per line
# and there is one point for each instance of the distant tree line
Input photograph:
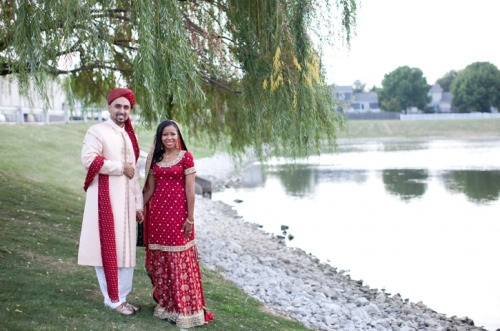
x,y
475,88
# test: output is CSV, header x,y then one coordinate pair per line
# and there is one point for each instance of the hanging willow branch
x,y
243,72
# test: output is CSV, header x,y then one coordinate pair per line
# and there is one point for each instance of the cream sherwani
x,y
113,143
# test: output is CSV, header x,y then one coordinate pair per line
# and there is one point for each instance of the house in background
x,y
18,108
343,94
365,102
356,102
440,101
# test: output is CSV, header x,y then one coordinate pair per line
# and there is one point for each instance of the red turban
x,y
122,92
125,92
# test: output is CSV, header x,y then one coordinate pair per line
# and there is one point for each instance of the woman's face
x,y
169,137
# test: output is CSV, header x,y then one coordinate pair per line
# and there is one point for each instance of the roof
x,y
436,88
365,97
343,89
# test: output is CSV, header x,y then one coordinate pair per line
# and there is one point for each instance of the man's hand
x,y
128,170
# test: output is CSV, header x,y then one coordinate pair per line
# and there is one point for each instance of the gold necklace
x,y
166,156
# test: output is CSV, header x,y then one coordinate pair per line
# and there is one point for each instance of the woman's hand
x,y
139,216
187,228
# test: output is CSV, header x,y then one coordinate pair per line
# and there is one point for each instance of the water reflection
x,y
298,181
405,183
401,215
480,187
302,180
254,176
341,175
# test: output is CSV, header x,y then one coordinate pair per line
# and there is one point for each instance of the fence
x,y
449,116
19,115
419,117
373,116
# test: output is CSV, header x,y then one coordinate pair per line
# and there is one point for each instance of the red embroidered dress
x,y
172,261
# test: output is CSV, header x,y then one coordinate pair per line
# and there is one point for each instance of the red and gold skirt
x,y
177,288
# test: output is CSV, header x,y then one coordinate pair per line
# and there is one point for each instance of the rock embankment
x,y
292,283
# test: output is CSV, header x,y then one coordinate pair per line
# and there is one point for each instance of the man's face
x,y
119,110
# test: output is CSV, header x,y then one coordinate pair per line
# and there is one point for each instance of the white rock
x,y
362,302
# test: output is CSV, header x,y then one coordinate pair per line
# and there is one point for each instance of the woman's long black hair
x,y
158,153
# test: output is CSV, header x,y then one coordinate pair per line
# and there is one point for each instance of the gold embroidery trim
x,y
163,248
182,321
173,162
189,171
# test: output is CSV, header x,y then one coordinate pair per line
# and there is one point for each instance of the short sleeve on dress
x,y
188,164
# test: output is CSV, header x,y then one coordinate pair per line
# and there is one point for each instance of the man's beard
x,y
120,118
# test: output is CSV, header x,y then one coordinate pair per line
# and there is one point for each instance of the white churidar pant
x,y
125,278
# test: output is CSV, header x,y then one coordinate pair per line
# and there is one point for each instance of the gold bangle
x,y
187,220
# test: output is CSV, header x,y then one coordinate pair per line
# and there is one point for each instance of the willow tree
x,y
248,72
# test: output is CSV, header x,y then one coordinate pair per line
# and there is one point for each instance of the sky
x,y
435,36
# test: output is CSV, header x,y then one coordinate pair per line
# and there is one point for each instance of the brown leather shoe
x,y
125,310
134,308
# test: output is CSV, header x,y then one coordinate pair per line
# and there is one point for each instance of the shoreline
x,y
292,283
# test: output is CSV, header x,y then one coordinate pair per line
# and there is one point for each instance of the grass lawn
x,y
422,128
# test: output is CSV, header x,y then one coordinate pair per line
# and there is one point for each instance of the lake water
x,y
420,218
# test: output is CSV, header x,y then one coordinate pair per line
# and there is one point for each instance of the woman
x,y
171,253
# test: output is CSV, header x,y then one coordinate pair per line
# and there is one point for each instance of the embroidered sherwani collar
x,y
115,126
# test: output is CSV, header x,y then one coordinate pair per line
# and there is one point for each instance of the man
x,y
113,203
